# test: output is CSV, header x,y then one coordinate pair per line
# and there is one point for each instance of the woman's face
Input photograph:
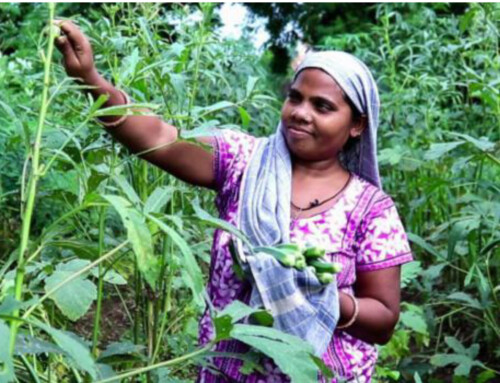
x,y
316,120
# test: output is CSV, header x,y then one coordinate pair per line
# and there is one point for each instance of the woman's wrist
x,y
349,308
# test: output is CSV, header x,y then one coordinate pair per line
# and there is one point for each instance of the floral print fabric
x,y
362,231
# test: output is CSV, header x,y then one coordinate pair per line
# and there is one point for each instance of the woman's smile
x,y
298,133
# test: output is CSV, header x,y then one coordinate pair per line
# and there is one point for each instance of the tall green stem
x,y
97,316
33,179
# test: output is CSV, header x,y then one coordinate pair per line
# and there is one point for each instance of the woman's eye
x,y
324,107
294,97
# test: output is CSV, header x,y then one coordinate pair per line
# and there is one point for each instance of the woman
x,y
324,190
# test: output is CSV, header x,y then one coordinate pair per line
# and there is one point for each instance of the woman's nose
x,y
301,113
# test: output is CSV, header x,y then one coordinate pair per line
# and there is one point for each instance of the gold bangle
x,y
122,118
354,314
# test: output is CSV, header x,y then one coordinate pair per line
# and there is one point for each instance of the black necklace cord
x,y
315,202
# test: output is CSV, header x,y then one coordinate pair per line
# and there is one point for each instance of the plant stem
x,y
97,316
33,180
158,365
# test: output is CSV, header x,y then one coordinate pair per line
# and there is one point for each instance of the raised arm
x,y
187,161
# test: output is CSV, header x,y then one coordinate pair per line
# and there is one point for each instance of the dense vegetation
x,y
103,257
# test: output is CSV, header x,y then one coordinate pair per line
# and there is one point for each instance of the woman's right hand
x,y
76,50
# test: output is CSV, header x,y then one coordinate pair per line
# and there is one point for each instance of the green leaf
x,y
485,376
67,181
191,270
223,325
409,272
291,354
213,108
26,344
129,65
455,345
251,82
121,348
464,297
158,199
219,223
464,362
111,277
424,245
128,190
237,310
73,347
438,150
9,304
81,248
483,144
139,236
207,129
245,117
105,371
391,156
77,295
6,363
415,321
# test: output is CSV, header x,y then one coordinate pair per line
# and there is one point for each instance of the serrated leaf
x,y
139,236
75,298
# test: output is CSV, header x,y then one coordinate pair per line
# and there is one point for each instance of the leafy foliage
x,y
437,67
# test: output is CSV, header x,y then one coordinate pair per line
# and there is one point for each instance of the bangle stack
x,y
122,118
354,316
